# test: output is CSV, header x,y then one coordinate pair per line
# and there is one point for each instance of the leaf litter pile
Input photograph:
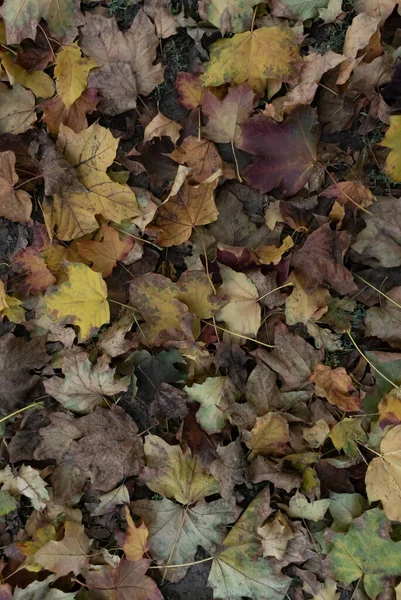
x,y
200,300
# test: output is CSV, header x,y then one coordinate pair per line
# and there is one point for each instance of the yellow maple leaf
x,y
269,436
134,541
72,71
91,151
80,300
269,53
10,307
38,82
392,140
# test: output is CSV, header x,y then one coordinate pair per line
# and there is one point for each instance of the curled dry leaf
x,y
336,385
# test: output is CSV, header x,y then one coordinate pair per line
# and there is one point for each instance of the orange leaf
x,y
134,540
336,386
105,254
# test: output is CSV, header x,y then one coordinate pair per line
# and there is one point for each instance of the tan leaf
x,y
70,555
269,436
200,155
275,536
162,126
17,109
105,254
14,204
336,385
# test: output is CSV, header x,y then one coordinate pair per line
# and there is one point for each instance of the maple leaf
x,y
193,206
90,152
40,537
104,255
383,477
376,8
188,527
190,90
380,238
38,82
80,300
227,15
336,385
286,151
275,536
355,554
85,384
320,260
347,434
215,395
300,306
22,17
237,567
384,322
390,409
18,358
165,22
40,590
242,313
109,501
245,57
298,9
14,204
70,555
11,307
7,504
344,508
125,582
357,38
28,482
17,109
350,194
127,59
37,277
162,126
300,508
226,116
134,540
174,473
269,436
55,112
71,73
201,157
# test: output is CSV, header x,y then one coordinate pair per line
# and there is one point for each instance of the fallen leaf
x,y
347,434
190,90
193,206
237,567
379,239
38,82
267,255
71,73
40,537
242,313
275,536
298,9
344,508
202,524
93,150
80,300
7,504
355,554
286,151
390,409
243,57
40,590
37,277
383,477
215,396
14,204
269,436
18,360
230,468
350,194
376,8
85,384
162,126
126,581
292,358
28,483
357,37
70,555
127,59
174,473
55,112
134,540
62,18
57,437
336,385
317,434
199,155
109,501
301,306
300,508
109,449
105,254
320,260
165,22
227,15
17,109
226,116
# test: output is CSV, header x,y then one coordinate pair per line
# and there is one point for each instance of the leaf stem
x,y
17,412
370,363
